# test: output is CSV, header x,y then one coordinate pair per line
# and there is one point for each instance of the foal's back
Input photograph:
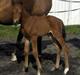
x,y
41,25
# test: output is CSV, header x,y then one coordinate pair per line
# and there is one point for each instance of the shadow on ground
x,y
75,42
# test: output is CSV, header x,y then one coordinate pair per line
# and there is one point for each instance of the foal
x,y
35,26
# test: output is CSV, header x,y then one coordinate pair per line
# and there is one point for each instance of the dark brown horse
x,y
35,26
10,11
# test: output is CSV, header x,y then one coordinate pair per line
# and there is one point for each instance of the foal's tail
x,y
63,32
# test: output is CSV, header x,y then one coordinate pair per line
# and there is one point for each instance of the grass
x,y
8,31
78,54
12,32
74,29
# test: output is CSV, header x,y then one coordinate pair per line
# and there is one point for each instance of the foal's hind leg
x,y
65,48
35,54
56,66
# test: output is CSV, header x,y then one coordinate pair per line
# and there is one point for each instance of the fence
x,y
67,10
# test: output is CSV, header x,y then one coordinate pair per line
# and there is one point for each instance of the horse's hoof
x,y
66,70
14,58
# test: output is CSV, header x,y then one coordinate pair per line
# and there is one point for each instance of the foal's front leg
x,y
26,52
35,54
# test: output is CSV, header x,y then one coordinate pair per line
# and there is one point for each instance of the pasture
x,y
8,35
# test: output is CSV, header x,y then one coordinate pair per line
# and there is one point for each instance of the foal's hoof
x,y
25,69
66,71
52,69
39,71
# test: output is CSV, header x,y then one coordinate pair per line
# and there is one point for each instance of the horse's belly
x,y
41,7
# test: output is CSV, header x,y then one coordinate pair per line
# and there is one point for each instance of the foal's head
x,y
17,9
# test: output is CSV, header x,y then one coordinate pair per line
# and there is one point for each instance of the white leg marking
x,y
66,70
53,69
14,58
26,65
38,72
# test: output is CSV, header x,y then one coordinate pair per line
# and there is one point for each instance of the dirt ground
x,y
7,67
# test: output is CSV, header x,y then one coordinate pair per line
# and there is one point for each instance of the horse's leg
x,y
39,45
35,54
58,57
58,48
65,49
18,44
26,52
19,51
56,66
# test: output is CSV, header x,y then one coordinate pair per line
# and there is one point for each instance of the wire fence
x,y
67,10
70,1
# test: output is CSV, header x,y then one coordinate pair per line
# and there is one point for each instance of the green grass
x,y
12,32
8,31
74,29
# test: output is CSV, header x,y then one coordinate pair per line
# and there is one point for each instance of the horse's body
x,y
35,26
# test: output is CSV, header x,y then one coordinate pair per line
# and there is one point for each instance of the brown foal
x,y
33,7
35,26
